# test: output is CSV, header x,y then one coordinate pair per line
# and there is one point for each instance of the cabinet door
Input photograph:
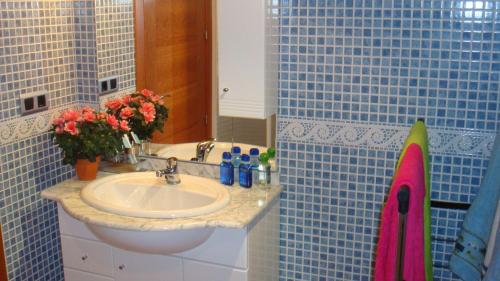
x,y
234,253
86,255
75,275
130,266
197,271
241,58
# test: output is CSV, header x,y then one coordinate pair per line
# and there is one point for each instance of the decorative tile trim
x,y
384,137
28,126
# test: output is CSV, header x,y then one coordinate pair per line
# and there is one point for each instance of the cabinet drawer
x,y
75,275
90,256
130,266
196,271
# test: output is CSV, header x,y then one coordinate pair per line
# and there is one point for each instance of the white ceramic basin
x,y
145,195
186,151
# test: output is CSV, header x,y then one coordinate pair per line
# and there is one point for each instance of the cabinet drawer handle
x,y
225,90
84,258
121,267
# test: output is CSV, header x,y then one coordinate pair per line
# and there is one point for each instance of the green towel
x,y
418,135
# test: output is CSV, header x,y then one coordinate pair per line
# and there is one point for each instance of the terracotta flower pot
x,y
86,170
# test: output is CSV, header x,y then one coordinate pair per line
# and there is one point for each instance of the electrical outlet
x,y
34,102
108,85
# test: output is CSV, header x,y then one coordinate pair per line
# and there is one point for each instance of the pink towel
x,y
411,174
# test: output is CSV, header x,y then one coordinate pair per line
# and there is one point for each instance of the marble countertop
x,y
245,206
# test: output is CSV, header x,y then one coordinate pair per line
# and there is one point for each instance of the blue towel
x,y
493,272
470,248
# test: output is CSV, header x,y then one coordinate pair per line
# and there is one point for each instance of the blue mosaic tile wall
x,y
354,76
48,45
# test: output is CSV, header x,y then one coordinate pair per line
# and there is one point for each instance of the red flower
x,y
148,111
58,121
71,128
114,104
147,93
124,126
126,112
70,115
89,116
112,121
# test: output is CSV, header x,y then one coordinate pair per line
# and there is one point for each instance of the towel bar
x,y
449,205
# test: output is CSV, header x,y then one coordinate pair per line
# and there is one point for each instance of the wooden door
x,y
173,59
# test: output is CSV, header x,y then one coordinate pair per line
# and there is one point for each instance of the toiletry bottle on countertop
x,y
236,156
254,163
271,152
226,169
245,172
264,170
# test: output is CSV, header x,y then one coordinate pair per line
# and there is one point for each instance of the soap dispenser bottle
x,y
226,169
245,172
236,156
254,164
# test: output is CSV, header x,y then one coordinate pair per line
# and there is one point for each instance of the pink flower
x,y
59,130
156,98
148,118
71,115
112,121
114,104
148,111
71,128
124,126
89,116
126,112
127,100
147,93
147,108
58,121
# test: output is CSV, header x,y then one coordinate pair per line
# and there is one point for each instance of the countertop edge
x,y
67,194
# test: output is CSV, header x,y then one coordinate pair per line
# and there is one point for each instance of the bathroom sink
x,y
147,196
143,195
186,151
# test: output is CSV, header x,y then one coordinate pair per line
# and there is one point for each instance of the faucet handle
x,y
172,163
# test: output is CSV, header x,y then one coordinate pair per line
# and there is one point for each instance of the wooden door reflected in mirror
x,y
173,59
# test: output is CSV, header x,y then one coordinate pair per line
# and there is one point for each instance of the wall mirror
x,y
177,56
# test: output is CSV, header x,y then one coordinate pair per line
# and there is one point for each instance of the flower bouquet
x,y
85,135
144,111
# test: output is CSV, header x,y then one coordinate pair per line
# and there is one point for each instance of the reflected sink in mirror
x,y
187,151
143,195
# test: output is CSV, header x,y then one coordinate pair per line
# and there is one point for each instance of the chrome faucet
x,y
170,173
203,149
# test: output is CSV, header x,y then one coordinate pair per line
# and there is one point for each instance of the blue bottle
x,y
226,169
236,156
245,172
254,164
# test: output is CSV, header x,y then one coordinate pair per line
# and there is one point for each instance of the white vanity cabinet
x,y
247,58
247,254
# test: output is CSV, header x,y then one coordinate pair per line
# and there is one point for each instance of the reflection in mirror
x,y
187,78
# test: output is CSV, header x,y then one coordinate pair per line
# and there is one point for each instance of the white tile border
x,y
385,137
